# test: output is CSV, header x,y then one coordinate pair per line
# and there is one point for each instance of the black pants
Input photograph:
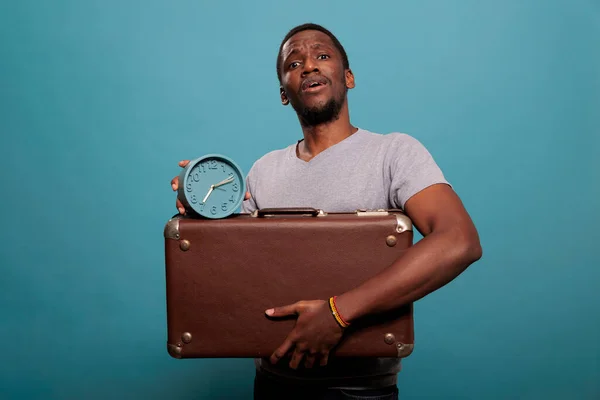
x,y
267,389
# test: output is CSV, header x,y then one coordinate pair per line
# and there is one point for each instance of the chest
x,y
345,186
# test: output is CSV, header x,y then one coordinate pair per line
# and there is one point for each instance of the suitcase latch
x,y
371,213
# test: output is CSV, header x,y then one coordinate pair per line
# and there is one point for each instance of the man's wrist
x,y
345,309
337,316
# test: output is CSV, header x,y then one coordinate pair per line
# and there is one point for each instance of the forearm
x,y
425,267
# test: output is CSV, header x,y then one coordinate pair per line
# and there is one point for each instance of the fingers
x,y
309,361
175,186
310,358
296,358
175,181
281,351
324,358
180,207
297,354
178,203
247,197
284,311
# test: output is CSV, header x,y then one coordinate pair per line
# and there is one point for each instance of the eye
x,y
294,64
323,57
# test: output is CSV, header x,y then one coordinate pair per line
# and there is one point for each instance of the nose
x,y
309,66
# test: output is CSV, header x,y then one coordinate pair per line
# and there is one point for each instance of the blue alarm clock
x,y
212,186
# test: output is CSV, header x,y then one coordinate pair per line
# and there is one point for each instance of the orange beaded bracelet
x,y
338,318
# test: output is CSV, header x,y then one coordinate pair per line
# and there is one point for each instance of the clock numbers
x,y
218,182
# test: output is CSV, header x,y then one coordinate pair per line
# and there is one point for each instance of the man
x,y
339,167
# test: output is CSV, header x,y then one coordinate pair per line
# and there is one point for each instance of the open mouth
x,y
313,84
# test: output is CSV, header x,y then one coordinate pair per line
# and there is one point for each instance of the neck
x,y
318,138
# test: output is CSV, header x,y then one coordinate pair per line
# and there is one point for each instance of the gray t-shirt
x,y
364,171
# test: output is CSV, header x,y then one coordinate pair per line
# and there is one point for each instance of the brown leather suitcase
x,y
221,276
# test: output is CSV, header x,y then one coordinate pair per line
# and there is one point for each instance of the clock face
x,y
213,186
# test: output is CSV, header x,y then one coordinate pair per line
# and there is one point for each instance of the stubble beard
x,y
321,113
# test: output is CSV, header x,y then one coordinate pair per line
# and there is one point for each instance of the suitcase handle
x,y
266,212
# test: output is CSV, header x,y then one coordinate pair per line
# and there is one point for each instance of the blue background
x,y
100,99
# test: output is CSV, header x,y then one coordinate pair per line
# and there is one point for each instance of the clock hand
x,y
224,181
212,187
208,194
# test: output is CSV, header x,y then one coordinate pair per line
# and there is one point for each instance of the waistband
x,y
363,382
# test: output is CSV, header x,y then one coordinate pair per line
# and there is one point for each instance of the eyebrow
x,y
314,46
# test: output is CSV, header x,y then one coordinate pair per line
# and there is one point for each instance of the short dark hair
x,y
314,27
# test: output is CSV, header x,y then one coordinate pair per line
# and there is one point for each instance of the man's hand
x,y
316,332
175,186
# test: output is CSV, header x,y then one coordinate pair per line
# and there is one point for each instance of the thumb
x,y
291,309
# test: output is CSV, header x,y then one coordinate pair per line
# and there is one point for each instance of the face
x,y
313,78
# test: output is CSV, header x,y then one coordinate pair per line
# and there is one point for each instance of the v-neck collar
x,y
292,149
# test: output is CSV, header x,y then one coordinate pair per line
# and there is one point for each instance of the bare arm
x,y
450,244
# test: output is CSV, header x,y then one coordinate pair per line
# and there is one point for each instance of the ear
x,y
349,79
284,99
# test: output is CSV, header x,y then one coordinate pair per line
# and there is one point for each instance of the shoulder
x,y
409,165
394,138
399,140
405,156
396,144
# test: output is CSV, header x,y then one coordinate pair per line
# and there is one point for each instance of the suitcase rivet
x,y
186,337
391,240
400,346
174,351
184,245
389,338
